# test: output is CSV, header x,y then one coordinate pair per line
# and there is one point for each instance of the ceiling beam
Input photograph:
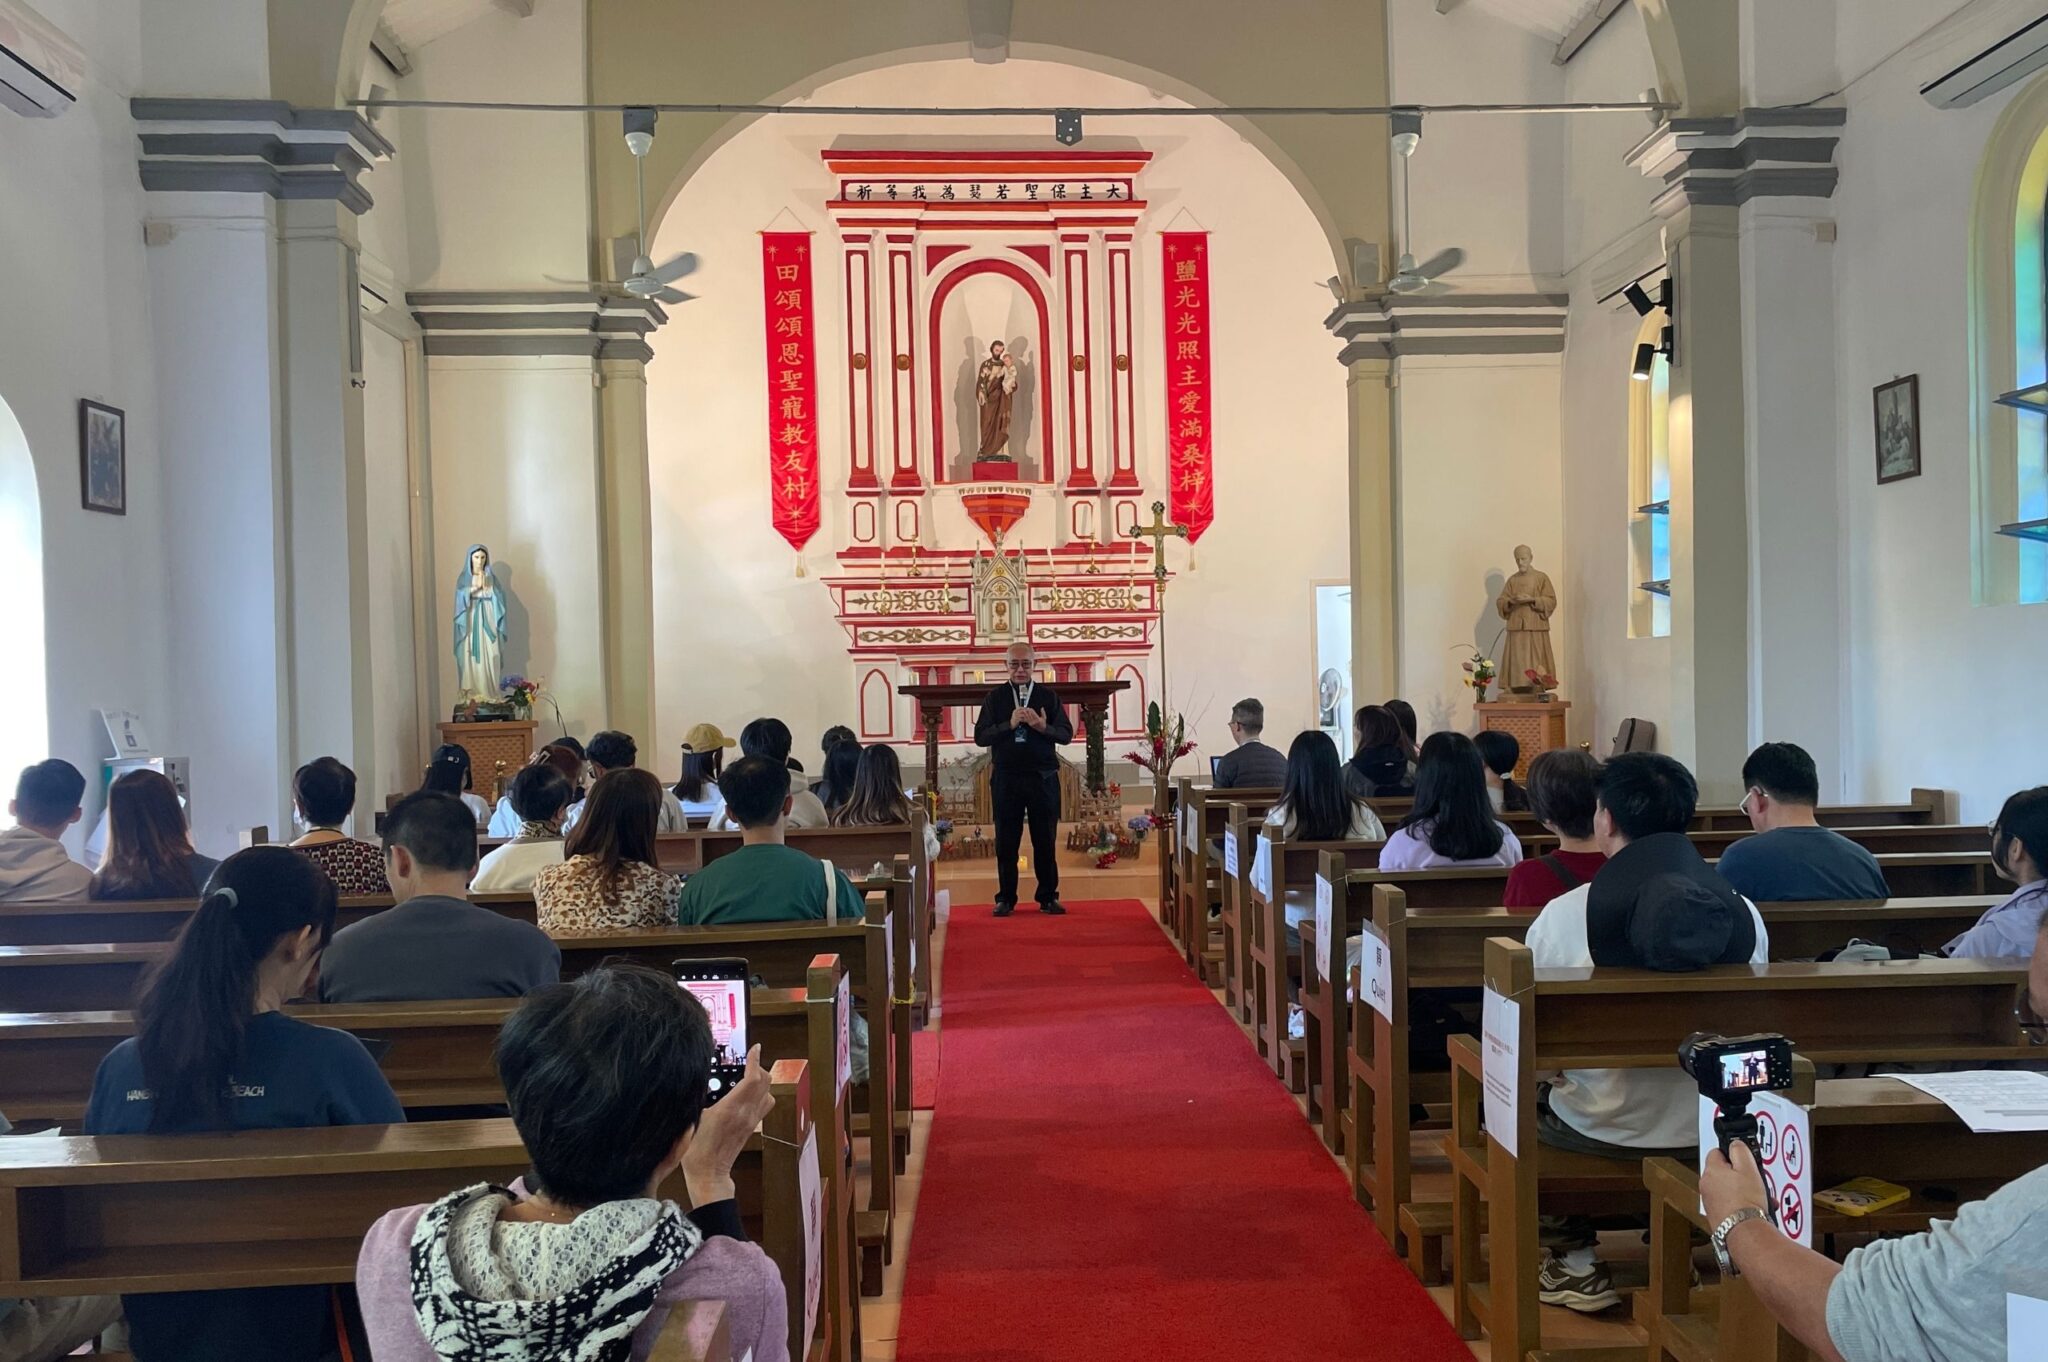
x,y
387,47
1446,6
1582,32
518,9
988,31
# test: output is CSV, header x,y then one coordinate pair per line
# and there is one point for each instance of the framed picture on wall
x,y
103,457
1897,410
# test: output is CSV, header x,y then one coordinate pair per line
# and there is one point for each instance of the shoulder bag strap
x,y
1561,870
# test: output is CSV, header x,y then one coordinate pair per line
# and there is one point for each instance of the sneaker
x,y
1297,1023
1005,907
1588,1292
1053,909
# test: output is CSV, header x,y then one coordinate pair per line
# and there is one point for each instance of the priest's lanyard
x,y
1023,702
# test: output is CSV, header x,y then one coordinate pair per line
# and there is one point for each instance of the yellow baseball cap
x,y
705,738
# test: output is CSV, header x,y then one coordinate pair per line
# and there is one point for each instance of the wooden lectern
x,y
1091,698
509,741
1536,724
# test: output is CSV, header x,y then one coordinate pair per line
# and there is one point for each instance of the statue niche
x,y
999,599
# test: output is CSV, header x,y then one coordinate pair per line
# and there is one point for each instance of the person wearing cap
x,y
1656,904
703,759
612,750
1023,724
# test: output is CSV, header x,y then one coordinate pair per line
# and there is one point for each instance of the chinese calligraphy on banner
x,y
792,385
1189,418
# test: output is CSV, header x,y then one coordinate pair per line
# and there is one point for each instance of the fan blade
x,y
1443,262
673,296
672,270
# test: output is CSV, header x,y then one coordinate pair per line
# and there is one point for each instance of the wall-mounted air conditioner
x,y
41,70
2004,63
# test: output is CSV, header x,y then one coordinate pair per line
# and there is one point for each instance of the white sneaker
x,y
1588,1291
1297,1023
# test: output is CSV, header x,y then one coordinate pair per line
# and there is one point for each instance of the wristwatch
x,y
1722,1231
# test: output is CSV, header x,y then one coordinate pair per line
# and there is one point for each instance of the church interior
x,y
1095,418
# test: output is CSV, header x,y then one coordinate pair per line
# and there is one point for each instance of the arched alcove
x,y
24,697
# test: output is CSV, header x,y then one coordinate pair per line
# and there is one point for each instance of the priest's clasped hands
x,y
1023,716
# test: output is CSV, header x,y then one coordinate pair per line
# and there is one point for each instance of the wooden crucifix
x,y
1159,531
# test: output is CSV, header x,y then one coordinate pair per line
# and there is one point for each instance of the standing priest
x,y
1021,723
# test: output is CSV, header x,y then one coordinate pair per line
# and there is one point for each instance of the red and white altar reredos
x,y
923,594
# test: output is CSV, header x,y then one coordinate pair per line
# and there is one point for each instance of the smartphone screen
x,y
721,986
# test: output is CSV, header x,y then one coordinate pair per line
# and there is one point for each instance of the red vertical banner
x,y
792,384
1190,424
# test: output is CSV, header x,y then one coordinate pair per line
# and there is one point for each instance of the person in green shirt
x,y
764,881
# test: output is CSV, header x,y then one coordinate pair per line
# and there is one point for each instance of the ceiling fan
x,y
1410,278
639,276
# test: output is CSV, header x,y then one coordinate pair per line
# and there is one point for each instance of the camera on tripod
x,y
1730,1070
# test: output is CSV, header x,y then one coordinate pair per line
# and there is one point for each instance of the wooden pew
x,y
1204,818
1906,1011
144,1213
1922,806
1262,918
29,923
1862,1127
1445,948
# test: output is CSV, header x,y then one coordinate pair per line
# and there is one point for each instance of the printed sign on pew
x,y
1230,855
1784,1139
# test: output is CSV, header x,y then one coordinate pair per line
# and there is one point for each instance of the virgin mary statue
x,y
479,628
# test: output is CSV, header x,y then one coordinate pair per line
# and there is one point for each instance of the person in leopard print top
x,y
610,881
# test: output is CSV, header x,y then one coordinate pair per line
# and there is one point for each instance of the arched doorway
x,y
23,695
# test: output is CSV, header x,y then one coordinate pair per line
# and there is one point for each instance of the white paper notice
x,y
811,1192
1784,1135
1500,1025
2026,1329
1326,913
1989,1099
842,1008
1230,855
1376,971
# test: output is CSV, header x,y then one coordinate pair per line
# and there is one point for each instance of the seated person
x,y
448,773
1404,717
583,1258
2018,836
612,879
1251,765
149,852
1655,905
1378,768
1313,806
435,943
770,738
33,864
566,756
836,786
1501,752
324,794
214,1051
1563,787
878,798
832,737
703,760
615,751
1452,823
1792,857
765,881
541,797
1941,1293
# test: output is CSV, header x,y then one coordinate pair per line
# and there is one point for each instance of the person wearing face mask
x,y
2019,846
1022,724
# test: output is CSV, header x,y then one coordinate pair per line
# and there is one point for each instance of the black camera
x,y
1730,1069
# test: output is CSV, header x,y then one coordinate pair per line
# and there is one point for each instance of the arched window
x,y
1649,487
25,736
2009,359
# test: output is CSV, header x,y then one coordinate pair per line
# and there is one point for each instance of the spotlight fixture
x,y
1638,299
1646,356
1066,126
1668,341
1664,296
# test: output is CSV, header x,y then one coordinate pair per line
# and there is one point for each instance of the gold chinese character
x,y
786,274
1191,429
789,298
789,380
793,409
792,434
789,326
1193,480
795,487
793,461
1183,271
1190,402
1187,350
1184,296
1186,325
1190,377
792,353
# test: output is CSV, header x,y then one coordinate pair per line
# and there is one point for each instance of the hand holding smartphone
x,y
721,985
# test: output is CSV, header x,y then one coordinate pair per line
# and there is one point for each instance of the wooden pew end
x,y
1425,1225
871,1231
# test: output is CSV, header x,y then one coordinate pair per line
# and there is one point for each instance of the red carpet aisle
x,y
1113,1175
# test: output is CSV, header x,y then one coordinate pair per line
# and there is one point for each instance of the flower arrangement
x,y
1480,671
1166,742
1141,825
1542,681
1105,860
944,828
523,690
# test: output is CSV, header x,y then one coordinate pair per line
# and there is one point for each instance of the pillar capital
x,y
257,146
576,322
1727,162
1392,326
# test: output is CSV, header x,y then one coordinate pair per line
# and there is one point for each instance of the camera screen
x,y
1745,1069
725,1003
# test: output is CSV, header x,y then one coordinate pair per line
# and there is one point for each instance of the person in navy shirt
x,y
213,1051
1792,858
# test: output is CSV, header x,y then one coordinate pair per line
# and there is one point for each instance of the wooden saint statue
x,y
1527,602
995,386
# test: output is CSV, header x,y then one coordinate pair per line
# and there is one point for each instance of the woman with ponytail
x,y
213,1051
449,773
